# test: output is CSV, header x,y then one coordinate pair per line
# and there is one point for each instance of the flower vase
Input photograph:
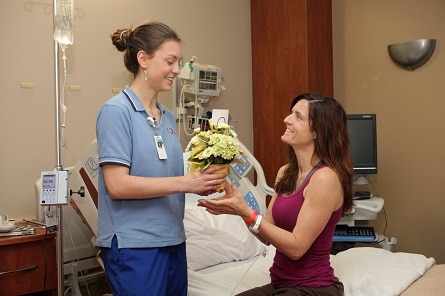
x,y
224,170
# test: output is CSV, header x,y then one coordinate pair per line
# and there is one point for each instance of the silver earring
x,y
145,74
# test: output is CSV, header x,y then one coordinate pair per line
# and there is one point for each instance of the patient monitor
x,y
201,79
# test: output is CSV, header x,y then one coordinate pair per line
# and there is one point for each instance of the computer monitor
x,y
363,140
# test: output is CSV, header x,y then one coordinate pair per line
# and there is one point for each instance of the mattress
x,y
230,278
432,283
363,271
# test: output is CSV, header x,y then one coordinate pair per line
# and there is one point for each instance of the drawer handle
x,y
19,270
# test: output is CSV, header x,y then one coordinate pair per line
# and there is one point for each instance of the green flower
x,y
218,145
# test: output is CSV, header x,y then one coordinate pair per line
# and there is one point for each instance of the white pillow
x,y
217,239
374,271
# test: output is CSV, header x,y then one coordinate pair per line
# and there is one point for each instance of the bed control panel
x,y
252,202
242,166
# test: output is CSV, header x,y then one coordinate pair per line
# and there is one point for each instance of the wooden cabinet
x,y
28,264
291,54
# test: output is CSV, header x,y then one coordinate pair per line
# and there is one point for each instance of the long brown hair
x,y
327,120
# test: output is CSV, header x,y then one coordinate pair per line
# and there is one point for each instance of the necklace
x,y
308,175
156,115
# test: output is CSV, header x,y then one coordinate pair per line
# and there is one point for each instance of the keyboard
x,y
359,195
345,233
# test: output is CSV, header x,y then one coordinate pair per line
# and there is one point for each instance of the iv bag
x,y
63,22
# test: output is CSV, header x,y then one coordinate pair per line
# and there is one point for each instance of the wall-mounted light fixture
x,y
411,55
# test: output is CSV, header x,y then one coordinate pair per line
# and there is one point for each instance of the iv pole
x,y
60,273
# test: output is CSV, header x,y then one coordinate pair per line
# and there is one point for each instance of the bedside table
x,y
28,263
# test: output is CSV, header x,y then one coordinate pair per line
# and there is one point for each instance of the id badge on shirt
x,y
160,147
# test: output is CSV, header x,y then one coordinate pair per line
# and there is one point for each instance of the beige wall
x,y
408,104
409,107
216,32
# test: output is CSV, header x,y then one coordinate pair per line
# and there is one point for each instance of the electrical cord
x,y
196,120
45,259
384,229
195,117
244,275
184,116
248,269
78,259
374,190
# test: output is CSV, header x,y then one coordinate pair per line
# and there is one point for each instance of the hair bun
x,y
120,38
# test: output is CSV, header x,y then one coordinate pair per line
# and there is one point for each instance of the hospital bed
x,y
224,258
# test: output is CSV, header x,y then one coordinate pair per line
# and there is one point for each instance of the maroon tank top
x,y
314,268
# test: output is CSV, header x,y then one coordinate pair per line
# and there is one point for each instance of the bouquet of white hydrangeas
x,y
217,145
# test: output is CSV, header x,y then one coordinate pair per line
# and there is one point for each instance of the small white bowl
x,y
6,226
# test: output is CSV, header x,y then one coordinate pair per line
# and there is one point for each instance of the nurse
x,y
141,178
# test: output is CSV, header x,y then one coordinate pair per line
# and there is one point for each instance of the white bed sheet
x,y
231,278
363,271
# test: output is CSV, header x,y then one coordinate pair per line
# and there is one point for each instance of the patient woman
x,y
312,191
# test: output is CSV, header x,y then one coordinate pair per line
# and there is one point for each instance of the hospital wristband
x,y
255,227
252,218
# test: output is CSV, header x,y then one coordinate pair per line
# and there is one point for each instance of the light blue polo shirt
x,y
125,138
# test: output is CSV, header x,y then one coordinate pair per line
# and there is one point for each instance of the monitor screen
x,y
363,140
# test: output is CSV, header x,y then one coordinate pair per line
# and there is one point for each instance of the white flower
x,y
218,145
